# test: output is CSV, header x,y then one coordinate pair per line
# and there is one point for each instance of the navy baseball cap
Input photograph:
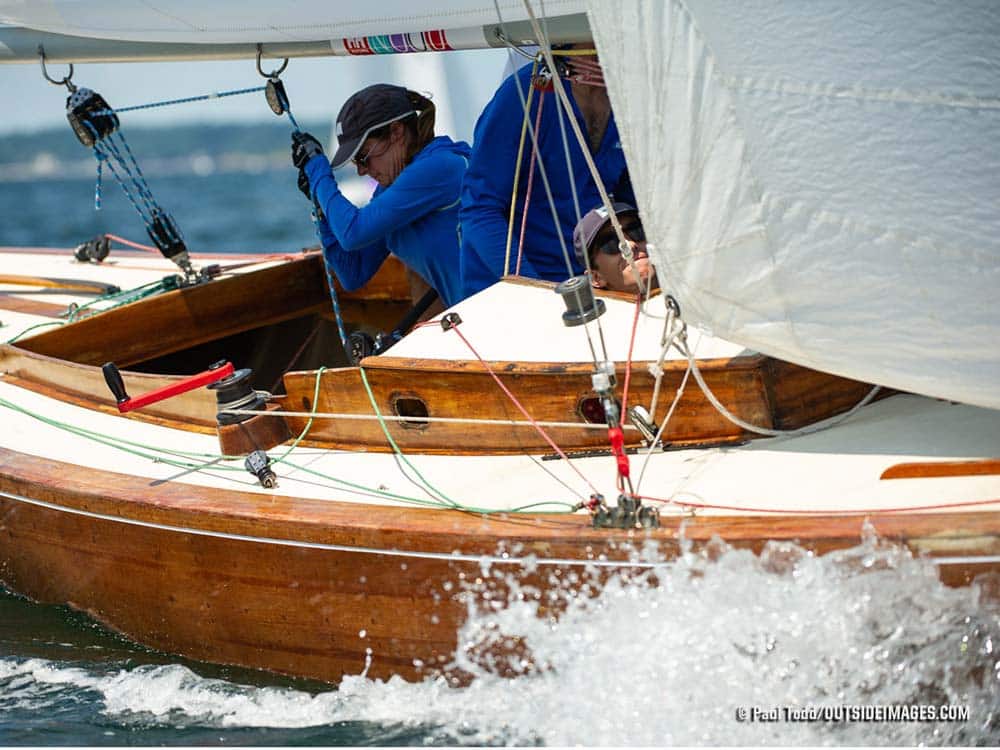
x,y
366,111
592,223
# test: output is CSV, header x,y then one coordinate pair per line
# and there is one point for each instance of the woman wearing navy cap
x,y
388,133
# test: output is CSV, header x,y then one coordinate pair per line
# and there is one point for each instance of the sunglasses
x,y
361,160
634,232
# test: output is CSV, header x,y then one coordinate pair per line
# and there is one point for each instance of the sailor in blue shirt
x,y
486,192
388,132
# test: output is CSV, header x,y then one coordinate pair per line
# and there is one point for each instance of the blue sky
x,y
461,84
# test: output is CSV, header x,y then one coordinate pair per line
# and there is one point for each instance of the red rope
x,y
825,512
129,243
628,364
524,411
531,177
261,258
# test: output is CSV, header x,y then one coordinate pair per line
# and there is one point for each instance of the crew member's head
x,y
381,128
597,249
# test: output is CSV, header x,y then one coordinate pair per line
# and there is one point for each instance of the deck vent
x,y
411,406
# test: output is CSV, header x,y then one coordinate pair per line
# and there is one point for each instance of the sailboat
x,y
820,365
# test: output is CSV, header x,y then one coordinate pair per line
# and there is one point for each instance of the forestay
x,y
821,179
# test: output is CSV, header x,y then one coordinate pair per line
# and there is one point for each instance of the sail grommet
x,y
581,305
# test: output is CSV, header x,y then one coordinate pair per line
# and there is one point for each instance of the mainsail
x,y
116,30
822,179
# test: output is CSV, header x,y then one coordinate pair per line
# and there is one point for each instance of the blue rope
x,y
332,286
203,97
105,147
97,186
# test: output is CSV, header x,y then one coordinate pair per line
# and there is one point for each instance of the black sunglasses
x,y
634,232
361,160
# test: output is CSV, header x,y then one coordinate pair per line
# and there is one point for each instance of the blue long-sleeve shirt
x,y
486,192
415,218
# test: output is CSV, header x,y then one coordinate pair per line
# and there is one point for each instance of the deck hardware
x,y
167,238
581,305
258,463
235,391
359,346
603,378
90,116
93,251
628,514
449,321
274,90
274,73
644,423
67,81
126,403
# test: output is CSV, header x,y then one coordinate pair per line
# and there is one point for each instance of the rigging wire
x,y
517,173
546,50
548,190
524,411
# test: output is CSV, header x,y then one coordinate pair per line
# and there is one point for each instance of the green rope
x,y
140,450
32,328
396,449
312,416
122,298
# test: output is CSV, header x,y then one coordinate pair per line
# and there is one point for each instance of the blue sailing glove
x,y
304,148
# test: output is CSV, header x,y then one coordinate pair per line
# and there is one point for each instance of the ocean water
x,y
716,649
221,211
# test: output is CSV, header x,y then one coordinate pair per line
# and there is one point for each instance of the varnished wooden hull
x,y
314,588
315,582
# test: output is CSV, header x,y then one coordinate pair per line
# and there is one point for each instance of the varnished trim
x,y
544,284
70,285
928,469
30,306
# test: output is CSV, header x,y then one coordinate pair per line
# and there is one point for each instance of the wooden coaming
x,y
181,319
757,389
64,361
288,584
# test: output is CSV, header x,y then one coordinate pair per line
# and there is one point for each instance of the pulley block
x,y
90,116
277,99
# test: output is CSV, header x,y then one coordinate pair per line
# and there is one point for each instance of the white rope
x,y
808,429
545,180
399,418
663,427
557,84
671,329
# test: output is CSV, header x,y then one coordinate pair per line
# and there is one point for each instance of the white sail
x,y
822,179
233,21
